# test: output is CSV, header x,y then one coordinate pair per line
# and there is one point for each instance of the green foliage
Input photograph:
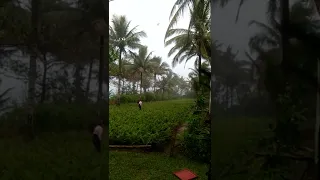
x,y
139,166
197,140
146,97
113,56
127,98
201,103
150,97
152,125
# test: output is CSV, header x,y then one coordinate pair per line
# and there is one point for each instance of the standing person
x,y
140,104
29,124
97,136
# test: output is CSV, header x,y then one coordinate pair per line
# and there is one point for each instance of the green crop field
x,y
153,124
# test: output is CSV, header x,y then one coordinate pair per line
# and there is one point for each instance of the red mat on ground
x,y
185,174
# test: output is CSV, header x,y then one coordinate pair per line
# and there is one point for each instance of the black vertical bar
x,y
213,56
106,65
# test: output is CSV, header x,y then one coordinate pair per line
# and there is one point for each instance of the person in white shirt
x,y
97,136
140,104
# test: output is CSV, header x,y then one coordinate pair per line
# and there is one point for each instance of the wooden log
x,y
130,146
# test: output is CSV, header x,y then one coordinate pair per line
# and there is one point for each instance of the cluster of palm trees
x,y
136,65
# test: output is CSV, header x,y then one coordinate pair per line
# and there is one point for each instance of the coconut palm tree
x,y
191,42
147,81
270,36
159,68
167,82
124,39
271,6
232,72
142,63
194,76
267,45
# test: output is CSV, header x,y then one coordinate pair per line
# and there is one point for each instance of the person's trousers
x,y
96,142
139,106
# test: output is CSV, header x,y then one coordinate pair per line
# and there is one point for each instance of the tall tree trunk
x,y
119,77
210,95
140,82
123,83
162,94
317,4
285,21
154,82
101,68
199,67
231,95
226,98
134,86
78,83
89,79
35,15
44,78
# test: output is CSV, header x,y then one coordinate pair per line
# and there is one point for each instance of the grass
x,y
71,155
137,166
236,141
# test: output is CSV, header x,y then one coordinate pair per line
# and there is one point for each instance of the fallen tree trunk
x,y
130,146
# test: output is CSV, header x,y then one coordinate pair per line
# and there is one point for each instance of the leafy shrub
x,y
147,97
130,98
197,139
126,98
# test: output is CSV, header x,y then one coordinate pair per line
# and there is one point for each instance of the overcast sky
x,y
152,16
